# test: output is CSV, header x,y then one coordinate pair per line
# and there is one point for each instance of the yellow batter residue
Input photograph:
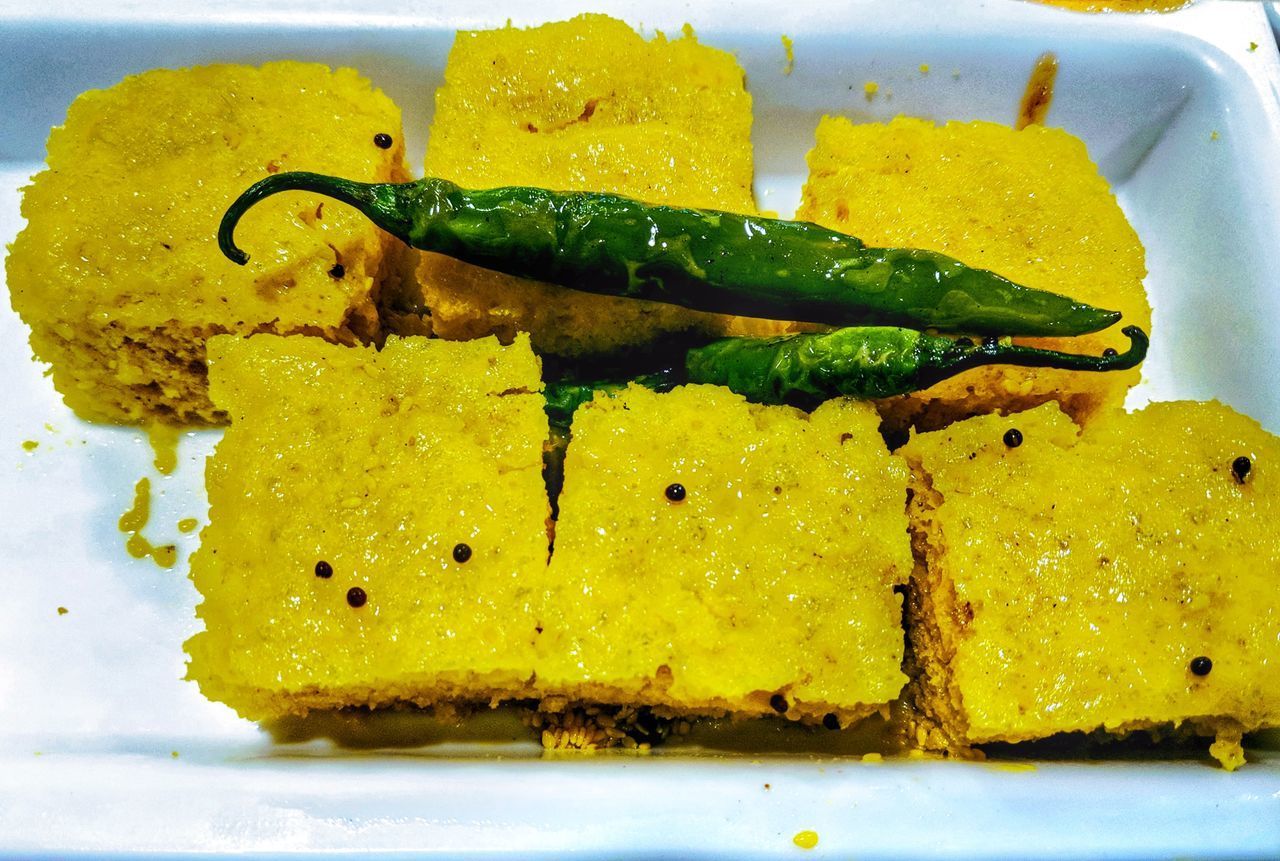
x,y
790,47
805,839
164,446
188,524
135,519
30,445
1119,5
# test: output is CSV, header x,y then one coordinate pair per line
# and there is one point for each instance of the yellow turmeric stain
x,y
870,88
805,839
132,523
1012,767
1039,92
30,445
188,524
164,447
1119,5
790,47
924,68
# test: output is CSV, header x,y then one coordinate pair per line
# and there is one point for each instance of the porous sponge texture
x,y
378,464
1071,580
1027,204
585,105
774,576
118,273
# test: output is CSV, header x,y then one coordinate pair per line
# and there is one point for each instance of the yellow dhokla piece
x,y
117,271
378,464
585,105
1027,204
1070,582
773,577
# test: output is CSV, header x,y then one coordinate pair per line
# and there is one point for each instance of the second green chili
x,y
861,362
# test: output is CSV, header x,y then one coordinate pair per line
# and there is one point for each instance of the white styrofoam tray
x,y
1179,112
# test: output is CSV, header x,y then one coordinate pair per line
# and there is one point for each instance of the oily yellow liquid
x,y
164,447
1118,5
132,523
1038,96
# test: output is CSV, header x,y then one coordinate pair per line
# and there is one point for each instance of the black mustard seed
x,y
337,271
382,140
778,703
356,597
1201,665
324,569
1241,467
830,721
1013,437
675,492
461,553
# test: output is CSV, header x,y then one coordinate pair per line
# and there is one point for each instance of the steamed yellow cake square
x,y
1119,579
117,271
720,556
1027,204
584,105
377,524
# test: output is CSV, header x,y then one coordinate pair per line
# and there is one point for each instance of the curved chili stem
x,y
860,362
701,259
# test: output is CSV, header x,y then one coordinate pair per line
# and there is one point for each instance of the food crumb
x,y
173,753
805,839
924,68
1253,46
30,445
767,787
870,88
188,524
1213,135
872,757
789,46
62,611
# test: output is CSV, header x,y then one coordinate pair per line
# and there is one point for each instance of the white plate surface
x,y
1180,113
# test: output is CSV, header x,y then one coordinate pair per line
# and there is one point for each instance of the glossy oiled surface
x,y
1089,572
1028,204
773,575
378,464
117,272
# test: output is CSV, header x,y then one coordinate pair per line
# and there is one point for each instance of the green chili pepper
x,y
872,362
860,362
701,259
